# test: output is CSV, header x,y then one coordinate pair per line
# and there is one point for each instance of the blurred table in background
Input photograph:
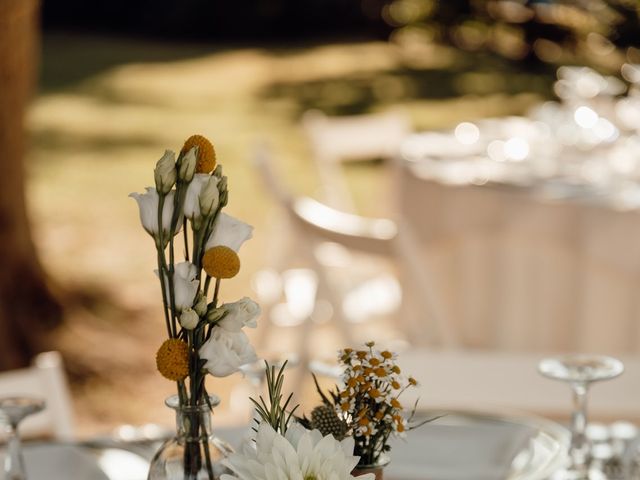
x,y
532,229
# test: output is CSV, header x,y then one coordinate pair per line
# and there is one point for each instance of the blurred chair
x,y
44,379
312,224
337,140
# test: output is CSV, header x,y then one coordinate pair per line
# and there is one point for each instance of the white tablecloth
x,y
516,271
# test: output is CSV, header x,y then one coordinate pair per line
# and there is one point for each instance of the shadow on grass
x,y
68,59
361,92
56,140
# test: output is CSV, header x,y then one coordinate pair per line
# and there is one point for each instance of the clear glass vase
x,y
194,453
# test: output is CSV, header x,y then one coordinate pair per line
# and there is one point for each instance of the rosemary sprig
x,y
275,412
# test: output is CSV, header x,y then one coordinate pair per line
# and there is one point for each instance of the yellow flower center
x,y
395,403
206,161
374,362
172,359
380,372
221,262
386,354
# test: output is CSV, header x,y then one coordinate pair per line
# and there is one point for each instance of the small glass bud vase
x,y
377,468
194,453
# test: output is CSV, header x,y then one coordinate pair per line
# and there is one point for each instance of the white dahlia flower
x,y
300,455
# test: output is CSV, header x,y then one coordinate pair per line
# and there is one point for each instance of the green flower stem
x,y
164,296
207,282
161,264
207,454
186,239
216,291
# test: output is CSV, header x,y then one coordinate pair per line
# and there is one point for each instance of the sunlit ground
x,y
107,110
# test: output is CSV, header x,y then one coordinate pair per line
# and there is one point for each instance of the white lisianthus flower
x,y
230,232
189,319
300,454
225,352
148,204
202,196
165,173
185,285
242,313
191,207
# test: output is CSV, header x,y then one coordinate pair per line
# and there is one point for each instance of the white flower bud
x,y
165,172
189,319
187,167
201,305
209,197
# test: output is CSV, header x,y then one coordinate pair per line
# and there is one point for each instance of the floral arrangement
x,y
346,436
203,337
366,406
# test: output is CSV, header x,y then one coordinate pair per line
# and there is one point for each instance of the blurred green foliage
x,y
603,33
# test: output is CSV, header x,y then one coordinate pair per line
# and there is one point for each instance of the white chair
x,y
312,224
44,379
337,140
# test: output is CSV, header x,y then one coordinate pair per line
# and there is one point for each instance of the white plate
x,y
479,446
51,461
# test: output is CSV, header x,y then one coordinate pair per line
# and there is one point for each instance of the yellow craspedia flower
x,y
172,359
221,262
206,153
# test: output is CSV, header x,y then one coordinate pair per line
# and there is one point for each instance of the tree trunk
x,y
27,306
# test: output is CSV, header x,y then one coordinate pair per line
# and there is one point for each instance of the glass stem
x,y
13,462
579,449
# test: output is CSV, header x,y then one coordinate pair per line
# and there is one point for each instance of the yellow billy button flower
x,y
221,262
172,359
206,153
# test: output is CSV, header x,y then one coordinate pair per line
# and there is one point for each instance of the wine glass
x,y
12,411
579,370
